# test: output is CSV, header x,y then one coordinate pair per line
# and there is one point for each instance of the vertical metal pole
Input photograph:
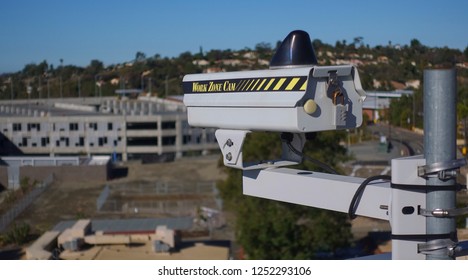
x,y
40,87
79,87
414,111
11,89
61,88
149,85
440,146
167,85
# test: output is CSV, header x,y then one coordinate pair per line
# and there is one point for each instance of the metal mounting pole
x,y
440,147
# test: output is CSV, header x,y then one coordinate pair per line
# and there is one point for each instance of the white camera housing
x,y
294,96
291,99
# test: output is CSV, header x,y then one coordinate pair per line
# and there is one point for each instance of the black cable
x,y
320,164
354,202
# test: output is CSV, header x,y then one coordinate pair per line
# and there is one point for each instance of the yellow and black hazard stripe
x,y
269,84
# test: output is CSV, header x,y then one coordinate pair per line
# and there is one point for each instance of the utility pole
x,y
79,86
440,97
61,92
48,90
167,85
11,89
414,110
39,88
95,85
149,85
48,97
61,72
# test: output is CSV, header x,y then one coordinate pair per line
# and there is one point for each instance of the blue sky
x,y
113,31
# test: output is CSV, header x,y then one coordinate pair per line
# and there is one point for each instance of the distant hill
x,y
381,68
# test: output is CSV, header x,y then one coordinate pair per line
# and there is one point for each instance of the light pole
x,y
61,94
149,85
79,86
29,92
61,72
95,85
48,90
39,88
414,110
48,96
11,89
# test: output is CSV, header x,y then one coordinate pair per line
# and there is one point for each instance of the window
x,y
102,141
17,127
110,126
73,126
93,126
168,140
34,126
142,125
168,125
186,139
80,142
66,140
44,141
142,141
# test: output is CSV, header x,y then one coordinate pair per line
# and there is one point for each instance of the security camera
x,y
294,95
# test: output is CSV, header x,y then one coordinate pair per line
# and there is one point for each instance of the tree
x,y
268,229
358,41
263,50
94,67
140,57
414,43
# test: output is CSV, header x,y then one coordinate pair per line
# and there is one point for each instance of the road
x,y
374,158
414,142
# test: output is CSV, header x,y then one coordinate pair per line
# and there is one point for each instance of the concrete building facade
x,y
148,128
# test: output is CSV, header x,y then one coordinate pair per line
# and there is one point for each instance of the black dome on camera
x,y
295,50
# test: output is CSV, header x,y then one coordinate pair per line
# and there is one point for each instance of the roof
x,y
132,225
203,250
128,91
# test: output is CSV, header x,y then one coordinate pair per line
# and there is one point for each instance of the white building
x,y
151,128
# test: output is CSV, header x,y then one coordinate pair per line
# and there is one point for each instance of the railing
x,y
23,203
158,198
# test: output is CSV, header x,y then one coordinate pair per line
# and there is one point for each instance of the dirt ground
x,y
74,200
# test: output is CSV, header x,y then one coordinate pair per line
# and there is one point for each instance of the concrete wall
x,y
82,173
3,177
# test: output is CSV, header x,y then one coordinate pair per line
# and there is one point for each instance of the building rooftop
x,y
27,160
126,239
105,106
132,225
189,251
